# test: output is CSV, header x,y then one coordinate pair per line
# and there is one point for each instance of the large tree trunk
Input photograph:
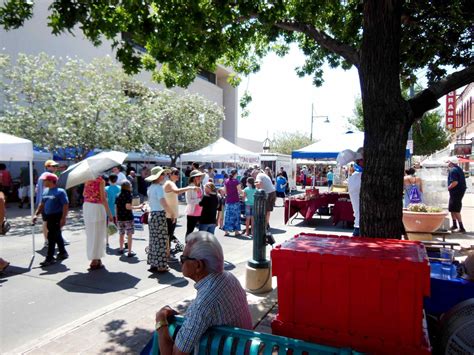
x,y
386,117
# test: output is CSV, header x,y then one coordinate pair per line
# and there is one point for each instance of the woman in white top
x,y
158,239
171,196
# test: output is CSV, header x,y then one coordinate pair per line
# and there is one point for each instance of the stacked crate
x,y
362,293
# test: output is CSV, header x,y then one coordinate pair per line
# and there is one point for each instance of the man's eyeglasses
x,y
184,258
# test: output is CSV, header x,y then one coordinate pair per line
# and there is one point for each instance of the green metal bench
x,y
229,340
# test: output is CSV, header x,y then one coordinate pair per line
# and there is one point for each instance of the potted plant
x,y
420,218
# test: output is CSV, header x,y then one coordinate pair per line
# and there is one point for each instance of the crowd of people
x,y
111,198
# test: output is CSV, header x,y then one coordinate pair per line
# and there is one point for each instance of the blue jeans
x,y
207,227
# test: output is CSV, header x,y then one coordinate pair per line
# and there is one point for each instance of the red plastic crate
x,y
361,287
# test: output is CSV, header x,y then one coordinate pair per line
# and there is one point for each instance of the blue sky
x,y
281,101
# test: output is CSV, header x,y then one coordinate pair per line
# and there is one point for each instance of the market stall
x,y
222,151
19,149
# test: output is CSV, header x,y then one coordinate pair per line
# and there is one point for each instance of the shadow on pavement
x,y
125,341
98,281
53,269
168,278
12,271
228,266
277,231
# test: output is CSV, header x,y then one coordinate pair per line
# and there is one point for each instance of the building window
x,y
207,75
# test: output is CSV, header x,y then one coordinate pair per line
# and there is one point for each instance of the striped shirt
x,y
220,300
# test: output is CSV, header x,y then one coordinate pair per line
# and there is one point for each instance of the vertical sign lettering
x,y
451,110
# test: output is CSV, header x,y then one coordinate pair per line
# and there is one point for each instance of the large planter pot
x,y
423,222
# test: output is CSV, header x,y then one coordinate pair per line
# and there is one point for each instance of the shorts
x,y
248,211
280,194
455,201
271,197
126,227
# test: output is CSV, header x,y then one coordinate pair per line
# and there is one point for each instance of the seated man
x,y
220,299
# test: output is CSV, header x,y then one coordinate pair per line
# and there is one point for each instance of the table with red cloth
x,y
342,211
307,208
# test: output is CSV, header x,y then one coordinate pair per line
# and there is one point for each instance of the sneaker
x,y
121,252
460,230
453,228
48,262
62,256
131,254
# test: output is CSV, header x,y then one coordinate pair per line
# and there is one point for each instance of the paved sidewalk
x,y
123,322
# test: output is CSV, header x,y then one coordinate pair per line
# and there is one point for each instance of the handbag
x,y
5,227
144,217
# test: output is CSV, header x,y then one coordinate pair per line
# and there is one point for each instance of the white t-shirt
x,y
121,178
267,185
354,183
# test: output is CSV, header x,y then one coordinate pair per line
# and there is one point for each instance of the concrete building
x,y
35,37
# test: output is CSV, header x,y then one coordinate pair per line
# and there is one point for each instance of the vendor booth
x,y
222,151
18,149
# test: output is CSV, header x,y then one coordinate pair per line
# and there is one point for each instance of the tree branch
x,y
428,99
324,40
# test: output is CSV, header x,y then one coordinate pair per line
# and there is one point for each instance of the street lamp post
x,y
312,119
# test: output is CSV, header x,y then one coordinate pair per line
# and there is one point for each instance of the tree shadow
x,y
124,341
99,282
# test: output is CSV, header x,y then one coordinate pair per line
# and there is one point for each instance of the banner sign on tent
x,y
450,110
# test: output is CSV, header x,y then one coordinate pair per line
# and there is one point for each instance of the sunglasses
x,y
184,258
175,173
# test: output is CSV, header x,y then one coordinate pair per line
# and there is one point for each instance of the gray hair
x,y
205,246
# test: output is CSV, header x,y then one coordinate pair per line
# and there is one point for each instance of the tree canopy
x,y
67,103
386,40
286,142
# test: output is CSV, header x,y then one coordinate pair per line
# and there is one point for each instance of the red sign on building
x,y
451,110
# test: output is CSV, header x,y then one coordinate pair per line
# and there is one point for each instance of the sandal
x,y
4,266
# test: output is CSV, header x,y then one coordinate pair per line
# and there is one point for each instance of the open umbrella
x,y
90,168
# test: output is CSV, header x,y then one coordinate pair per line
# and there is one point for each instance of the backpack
x,y
414,195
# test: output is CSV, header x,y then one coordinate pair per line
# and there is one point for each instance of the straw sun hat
x,y
156,172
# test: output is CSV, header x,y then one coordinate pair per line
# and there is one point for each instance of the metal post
x,y
259,260
312,116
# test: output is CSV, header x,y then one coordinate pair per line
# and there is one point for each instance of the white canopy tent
x,y
18,149
222,151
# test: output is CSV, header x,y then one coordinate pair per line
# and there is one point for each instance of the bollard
x,y
258,277
259,260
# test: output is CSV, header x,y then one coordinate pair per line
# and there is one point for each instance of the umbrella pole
x,y
32,208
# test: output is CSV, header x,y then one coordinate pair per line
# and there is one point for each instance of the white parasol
x,y
90,168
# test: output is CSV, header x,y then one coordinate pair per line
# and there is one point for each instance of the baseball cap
x,y
50,177
50,163
453,160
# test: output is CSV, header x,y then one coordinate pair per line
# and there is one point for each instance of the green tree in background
x,y
180,123
286,142
72,104
428,133
68,104
385,40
